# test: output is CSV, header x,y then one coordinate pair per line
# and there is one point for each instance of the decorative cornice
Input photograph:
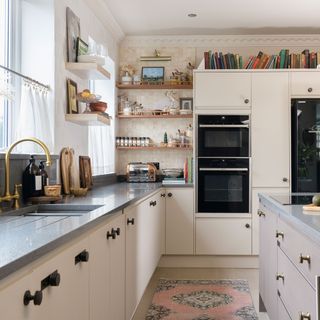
x,y
221,41
101,10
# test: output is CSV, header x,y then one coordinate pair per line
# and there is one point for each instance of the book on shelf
x,y
218,60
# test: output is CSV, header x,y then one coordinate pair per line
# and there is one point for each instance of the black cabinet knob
x,y
154,203
151,203
309,89
246,101
54,279
36,298
111,235
83,256
169,194
130,221
116,231
247,225
163,195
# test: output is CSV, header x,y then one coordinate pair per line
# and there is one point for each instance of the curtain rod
x,y
25,77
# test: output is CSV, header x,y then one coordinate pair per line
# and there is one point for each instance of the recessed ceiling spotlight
x,y
192,15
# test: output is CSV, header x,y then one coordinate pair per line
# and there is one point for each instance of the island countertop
x,y
306,222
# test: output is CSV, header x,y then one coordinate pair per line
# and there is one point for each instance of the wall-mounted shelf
x,y
88,119
167,86
163,116
88,70
154,148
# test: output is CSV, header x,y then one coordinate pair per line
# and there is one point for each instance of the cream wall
x,y
66,133
184,49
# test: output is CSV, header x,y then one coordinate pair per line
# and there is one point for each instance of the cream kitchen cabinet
x,y
107,271
223,236
305,83
59,289
270,133
179,221
268,261
222,89
255,217
143,247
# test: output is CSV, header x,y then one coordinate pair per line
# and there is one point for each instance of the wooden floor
x,y
252,275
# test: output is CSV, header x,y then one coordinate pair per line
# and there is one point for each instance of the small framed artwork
x,y
73,106
152,74
73,32
82,47
85,172
186,105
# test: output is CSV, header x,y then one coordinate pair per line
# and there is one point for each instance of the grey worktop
x,y
306,222
26,238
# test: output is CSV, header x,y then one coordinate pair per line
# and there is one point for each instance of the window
x,y
4,61
101,139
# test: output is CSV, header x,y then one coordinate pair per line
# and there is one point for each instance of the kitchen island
x,y
289,258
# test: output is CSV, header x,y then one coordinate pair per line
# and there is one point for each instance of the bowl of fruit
x,y
87,97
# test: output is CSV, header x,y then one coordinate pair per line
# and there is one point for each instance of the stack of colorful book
x,y
170,181
217,60
284,60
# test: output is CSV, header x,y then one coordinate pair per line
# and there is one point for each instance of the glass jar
x,y
130,142
138,142
134,141
143,141
121,141
118,141
126,141
147,142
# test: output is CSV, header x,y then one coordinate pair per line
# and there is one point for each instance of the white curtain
x,y
34,119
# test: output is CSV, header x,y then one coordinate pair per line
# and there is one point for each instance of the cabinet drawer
x,y
305,83
223,236
282,311
296,245
295,292
216,89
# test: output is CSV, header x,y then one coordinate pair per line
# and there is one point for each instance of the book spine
x,y
257,60
206,60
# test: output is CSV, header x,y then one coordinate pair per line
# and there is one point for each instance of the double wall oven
x,y
223,163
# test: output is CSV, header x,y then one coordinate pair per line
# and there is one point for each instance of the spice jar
x,y
122,141
126,141
130,142
138,142
118,141
134,141
147,142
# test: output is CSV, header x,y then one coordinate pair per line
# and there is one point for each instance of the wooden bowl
x,y
98,106
52,190
79,192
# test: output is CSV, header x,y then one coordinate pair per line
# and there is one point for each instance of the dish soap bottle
x,y
31,180
44,176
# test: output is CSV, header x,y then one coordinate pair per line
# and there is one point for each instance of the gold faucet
x,y
7,196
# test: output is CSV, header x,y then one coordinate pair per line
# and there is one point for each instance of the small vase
x,y
126,79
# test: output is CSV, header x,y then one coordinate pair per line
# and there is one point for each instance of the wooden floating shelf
x,y
163,116
88,70
87,119
154,148
155,86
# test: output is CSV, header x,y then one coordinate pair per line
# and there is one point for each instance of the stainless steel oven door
x,y
223,186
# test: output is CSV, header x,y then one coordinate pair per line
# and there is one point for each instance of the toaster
x,y
141,172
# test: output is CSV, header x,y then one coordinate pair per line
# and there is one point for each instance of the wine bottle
x,y
31,180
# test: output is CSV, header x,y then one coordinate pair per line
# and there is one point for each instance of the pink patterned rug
x,y
202,300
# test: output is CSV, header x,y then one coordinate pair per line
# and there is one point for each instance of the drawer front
x,y
296,293
298,248
282,311
305,83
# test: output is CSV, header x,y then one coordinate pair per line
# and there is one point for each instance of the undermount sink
x,y
54,210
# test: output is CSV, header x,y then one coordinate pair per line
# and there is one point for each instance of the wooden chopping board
x,y
65,163
311,207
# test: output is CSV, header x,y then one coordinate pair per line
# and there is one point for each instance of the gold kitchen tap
x,y
7,196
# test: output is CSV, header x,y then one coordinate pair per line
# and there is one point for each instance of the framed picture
x,y
152,74
73,32
85,172
186,105
73,106
82,47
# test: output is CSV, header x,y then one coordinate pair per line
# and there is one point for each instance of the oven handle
x,y
223,169
223,125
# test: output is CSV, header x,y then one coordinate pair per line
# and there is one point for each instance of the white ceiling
x,y
169,17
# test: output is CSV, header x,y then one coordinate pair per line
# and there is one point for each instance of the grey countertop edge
x,y
30,257
285,214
